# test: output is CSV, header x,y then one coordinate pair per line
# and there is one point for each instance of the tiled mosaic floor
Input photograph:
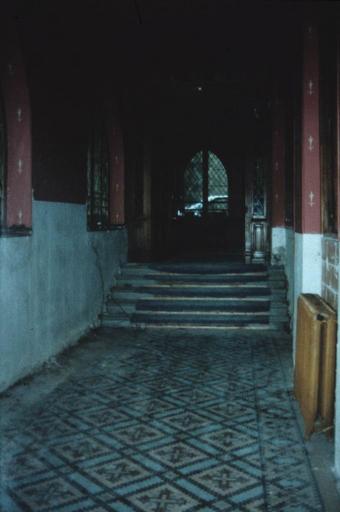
x,y
168,422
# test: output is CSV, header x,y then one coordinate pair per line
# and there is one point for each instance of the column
x,y
18,216
310,171
278,183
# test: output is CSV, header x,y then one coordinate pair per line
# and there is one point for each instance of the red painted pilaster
x,y
338,131
18,131
310,171
278,165
117,175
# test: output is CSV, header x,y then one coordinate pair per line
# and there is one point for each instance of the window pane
x,y
205,166
218,185
98,177
258,190
193,185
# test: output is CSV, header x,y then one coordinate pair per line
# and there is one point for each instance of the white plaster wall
x,y
290,270
52,285
308,269
279,246
308,263
283,253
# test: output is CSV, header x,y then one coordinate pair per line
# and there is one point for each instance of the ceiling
x,y
165,41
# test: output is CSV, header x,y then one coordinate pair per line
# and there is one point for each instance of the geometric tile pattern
x,y
175,423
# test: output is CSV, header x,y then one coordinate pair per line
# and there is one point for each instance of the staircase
x,y
220,296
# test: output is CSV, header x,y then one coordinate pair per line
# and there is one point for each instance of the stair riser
x,y
203,306
141,283
123,284
200,319
194,327
130,296
199,292
195,279
206,268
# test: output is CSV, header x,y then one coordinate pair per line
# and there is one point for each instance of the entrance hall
x,y
169,255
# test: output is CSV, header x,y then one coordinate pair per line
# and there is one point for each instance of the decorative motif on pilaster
x,y
311,202
310,87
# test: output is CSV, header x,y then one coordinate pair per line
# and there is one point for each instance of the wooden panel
x,y
314,375
328,357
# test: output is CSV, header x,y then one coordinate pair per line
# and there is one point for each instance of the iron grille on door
x,y
98,179
205,185
258,191
256,222
193,184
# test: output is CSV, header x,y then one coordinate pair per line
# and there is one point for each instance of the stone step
x,y
199,317
190,282
276,276
145,283
204,305
133,295
199,267
168,276
197,312
199,296
198,291
114,322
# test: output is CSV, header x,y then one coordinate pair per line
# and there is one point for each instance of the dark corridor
x,y
146,147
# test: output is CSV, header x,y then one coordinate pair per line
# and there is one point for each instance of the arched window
x,y
206,189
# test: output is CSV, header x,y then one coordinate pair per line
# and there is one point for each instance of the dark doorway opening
x,y
208,208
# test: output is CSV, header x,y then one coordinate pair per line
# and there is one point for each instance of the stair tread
x,y
207,327
195,285
204,267
144,296
204,313
198,305
181,276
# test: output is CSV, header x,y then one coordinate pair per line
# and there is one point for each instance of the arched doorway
x,y
208,207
